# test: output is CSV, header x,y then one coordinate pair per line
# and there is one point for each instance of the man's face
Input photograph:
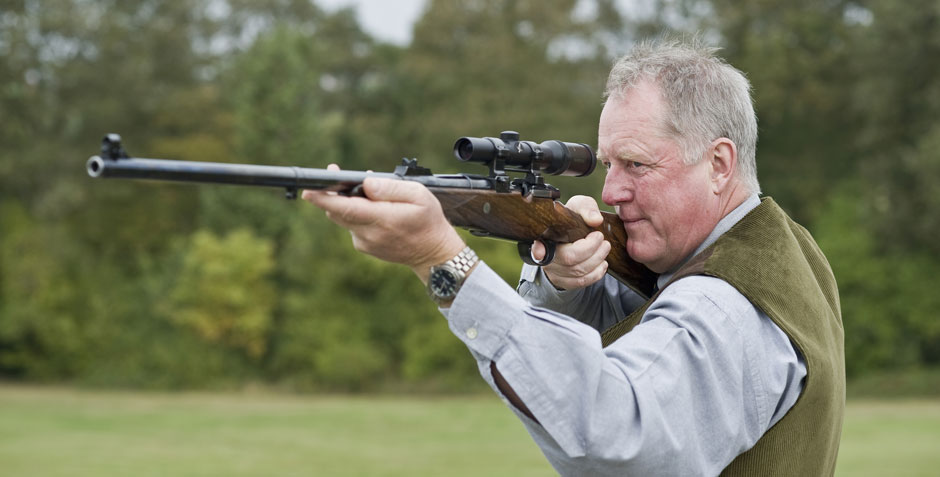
x,y
667,207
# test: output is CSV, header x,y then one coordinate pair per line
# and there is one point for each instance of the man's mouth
x,y
628,219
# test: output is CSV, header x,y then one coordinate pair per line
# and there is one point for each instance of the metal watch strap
x,y
457,267
464,261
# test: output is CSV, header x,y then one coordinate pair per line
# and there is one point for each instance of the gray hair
x,y
706,99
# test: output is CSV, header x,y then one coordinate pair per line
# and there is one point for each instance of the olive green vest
x,y
776,264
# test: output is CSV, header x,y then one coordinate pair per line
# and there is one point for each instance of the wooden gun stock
x,y
526,219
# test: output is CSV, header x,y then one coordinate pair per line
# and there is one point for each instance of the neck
x,y
725,223
730,200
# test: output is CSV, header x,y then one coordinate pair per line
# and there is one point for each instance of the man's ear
x,y
723,159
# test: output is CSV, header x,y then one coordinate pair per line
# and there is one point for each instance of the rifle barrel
x,y
257,175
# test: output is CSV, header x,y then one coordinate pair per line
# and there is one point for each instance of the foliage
x,y
908,383
166,286
223,293
41,333
888,308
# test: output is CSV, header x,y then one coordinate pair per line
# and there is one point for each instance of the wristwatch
x,y
447,278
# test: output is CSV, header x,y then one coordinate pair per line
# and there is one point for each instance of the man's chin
x,y
643,256
636,252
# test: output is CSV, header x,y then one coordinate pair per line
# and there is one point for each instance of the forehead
x,y
631,119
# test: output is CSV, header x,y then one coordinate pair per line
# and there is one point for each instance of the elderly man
x,y
734,366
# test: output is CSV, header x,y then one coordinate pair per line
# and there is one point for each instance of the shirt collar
x,y
723,226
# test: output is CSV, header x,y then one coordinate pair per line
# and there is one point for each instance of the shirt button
x,y
472,333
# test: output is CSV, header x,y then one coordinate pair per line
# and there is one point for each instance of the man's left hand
x,y
397,221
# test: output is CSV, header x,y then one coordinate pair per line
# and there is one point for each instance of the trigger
x,y
525,253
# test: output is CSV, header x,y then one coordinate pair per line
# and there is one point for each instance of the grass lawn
x,y
890,438
60,431
57,431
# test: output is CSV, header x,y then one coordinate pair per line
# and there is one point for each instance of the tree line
x,y
169,286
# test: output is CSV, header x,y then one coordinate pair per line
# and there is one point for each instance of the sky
x,y
387,20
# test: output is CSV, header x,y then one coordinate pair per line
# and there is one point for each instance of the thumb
x,y
587,208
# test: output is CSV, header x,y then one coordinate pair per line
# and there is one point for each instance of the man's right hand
x,y
583,262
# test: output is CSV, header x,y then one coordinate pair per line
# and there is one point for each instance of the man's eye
x,y
606,165
635,164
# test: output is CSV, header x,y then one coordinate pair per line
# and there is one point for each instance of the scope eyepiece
x,y
555,158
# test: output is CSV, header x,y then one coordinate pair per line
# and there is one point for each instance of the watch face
x,y
443,282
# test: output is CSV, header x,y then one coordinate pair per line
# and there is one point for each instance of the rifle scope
x,y
550,157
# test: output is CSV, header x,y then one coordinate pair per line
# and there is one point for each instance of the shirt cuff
x,y
539,291
484,311
529,273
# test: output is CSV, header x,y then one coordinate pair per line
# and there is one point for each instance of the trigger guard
x,y
525,253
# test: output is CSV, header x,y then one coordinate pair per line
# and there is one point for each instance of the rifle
x,y
521,209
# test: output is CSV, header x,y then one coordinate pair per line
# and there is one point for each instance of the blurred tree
x,y
41,332
847,98
338,303
78,70
797,56
478,68
107,283
72,71
223,291
897,91
888,306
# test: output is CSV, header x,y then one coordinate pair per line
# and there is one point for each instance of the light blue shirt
x,y
695,384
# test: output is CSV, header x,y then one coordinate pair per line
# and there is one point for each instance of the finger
x,y
538,250
587,208
578,273
581,250
580,281
389,190
308,194
574,253
586,266
345,211
571,283
582,267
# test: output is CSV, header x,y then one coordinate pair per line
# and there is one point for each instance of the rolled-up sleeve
x,y
681,394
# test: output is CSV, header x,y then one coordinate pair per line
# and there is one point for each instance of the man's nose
x,y
618,188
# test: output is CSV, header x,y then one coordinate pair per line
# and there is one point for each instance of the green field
x,y
56,431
